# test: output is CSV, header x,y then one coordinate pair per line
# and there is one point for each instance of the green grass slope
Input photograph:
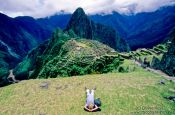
x,y
120,93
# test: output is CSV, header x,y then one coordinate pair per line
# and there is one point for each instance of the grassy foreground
x,y
120,93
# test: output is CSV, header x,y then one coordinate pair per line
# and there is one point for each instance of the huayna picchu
x,y
109,57
86,28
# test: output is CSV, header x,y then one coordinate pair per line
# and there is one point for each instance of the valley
x,y
46,63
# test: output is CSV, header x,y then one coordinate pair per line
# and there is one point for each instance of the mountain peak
x,y
84,27
79,11
80,24
79,14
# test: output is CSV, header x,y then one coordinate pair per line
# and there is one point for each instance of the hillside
x,y
6,62
124,51
81,24
124,24
17,37
65,55
167,63
55,21
142,30
160,57
121,94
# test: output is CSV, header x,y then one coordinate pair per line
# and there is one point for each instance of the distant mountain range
x,y
84,27
82,42
17,37
21,34
143,29
139,30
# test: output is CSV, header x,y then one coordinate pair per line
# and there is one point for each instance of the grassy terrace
x,y
121,94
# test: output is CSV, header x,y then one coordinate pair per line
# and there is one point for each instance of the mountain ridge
x,y
21,34
133,27
17,37
81,24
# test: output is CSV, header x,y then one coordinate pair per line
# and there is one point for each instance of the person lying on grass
x,y
90,105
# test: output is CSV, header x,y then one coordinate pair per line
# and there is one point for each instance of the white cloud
x,y
43,8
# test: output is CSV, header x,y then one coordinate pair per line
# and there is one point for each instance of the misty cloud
x,y
43,8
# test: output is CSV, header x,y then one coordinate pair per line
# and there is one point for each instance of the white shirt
x,y
90,97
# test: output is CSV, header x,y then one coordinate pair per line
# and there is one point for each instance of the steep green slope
x,y
67,55
17,37
78,57
4,66
86,28
30,62
141,30
151,56
21,34
167,63
7,61
121,94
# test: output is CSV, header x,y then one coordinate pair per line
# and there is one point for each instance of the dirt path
x,y
155,71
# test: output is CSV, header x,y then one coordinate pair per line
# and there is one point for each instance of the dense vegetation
x,y
167,63
81,24
17,36
142,30
148,57
64,55
84,47
71,52
76,51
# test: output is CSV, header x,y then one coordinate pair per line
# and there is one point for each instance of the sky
x,y
45,8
